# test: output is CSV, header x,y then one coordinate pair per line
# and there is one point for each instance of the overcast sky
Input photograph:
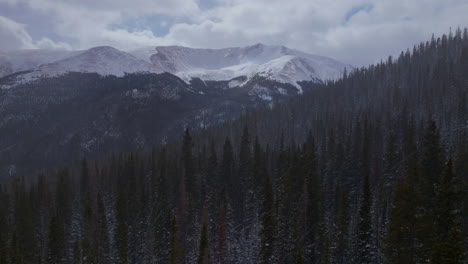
x,y
354,31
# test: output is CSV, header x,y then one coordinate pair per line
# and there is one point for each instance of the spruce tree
x,y
121,233
17,250
400,243
25,246
221,235
3,246
432,159
268,222
4,226
299,258
203,255
312,193
246,197
431,171
364,228
102,235
227,173
161,216
187,158
448,246
174,252
56,247
212,168
88,234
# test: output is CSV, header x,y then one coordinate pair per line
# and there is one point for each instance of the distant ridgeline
x,y
51,122
59,106
371,168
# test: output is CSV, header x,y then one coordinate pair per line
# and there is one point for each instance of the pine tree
x,y
299,258
432,160
63,197
431,171
174,251
61,217
17,251
212,168
365,247
227,173
76,253
203,256
400,240
246,200
244,155
221,235
161,216
391,159
187,158
312,193
4,226
121,233
342,223
56,252
268,222
25,246
461,170
448,246
88,236
102,236
3,247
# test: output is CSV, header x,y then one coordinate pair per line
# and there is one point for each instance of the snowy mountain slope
x,y
79,114
275,62
101,60
20,60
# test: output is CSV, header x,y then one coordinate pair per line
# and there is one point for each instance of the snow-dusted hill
x,y
21,60
274,62
101,60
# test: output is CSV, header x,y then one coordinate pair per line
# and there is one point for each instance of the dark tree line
x,y
371,168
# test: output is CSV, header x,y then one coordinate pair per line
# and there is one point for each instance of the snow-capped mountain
x,y
265,62
101,60
165,90
272,62
12,61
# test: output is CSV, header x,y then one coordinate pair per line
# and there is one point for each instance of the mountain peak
x,y
103,49
103,60
257,45
274,62
248,61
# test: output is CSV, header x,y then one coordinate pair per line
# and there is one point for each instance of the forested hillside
x,y
372,168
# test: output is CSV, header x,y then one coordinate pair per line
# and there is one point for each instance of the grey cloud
x,y
383,28
46,43
354,31
13,35
92,23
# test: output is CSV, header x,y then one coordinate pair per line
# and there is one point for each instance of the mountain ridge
x,y
276,63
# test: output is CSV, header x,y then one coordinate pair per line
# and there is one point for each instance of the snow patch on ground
x,y
234,83
261,92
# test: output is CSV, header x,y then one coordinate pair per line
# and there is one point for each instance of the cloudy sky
x,y
354,31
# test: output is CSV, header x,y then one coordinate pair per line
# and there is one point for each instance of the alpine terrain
x,y
67,105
